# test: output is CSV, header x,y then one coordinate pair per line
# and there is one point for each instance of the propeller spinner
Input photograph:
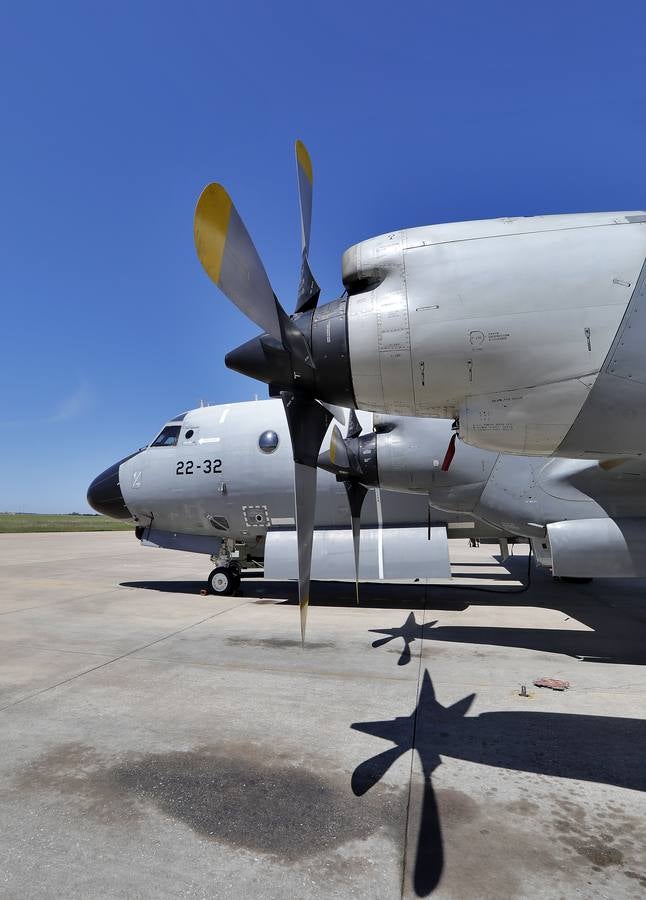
x,y
303,358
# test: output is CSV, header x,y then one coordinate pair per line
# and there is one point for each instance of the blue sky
x,y
114,116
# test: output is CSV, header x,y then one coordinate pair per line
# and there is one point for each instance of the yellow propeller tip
x,y
304,161
210,226
303,609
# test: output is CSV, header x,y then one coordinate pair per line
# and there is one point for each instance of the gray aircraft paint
x,y
501,493
611,421
253,492
391,553
598,547
518,494
505,323
507,326
585,518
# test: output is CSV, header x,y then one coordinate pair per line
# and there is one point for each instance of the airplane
x,y
218,480
526,331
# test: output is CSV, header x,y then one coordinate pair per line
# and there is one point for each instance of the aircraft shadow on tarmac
x,y
617,637
378,595
329,593
599,749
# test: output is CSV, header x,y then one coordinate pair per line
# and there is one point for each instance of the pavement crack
x,y
109,662
56,603
413,749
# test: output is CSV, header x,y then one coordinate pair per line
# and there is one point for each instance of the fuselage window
x,y
167,437
189,434
268,441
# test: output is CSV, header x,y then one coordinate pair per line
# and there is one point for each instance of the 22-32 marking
x,y
208,466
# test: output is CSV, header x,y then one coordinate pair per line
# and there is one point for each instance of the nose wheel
x,y
224,580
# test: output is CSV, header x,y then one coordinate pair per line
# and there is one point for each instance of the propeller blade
x,y
231,260
308,289
354,425
371,771
338,412
307,421
341,461
381,641
356,495
338,451
305,501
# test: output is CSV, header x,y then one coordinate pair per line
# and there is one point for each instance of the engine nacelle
x,y
603,548
504,324
410,453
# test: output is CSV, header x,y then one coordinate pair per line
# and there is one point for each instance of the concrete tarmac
x,y
158,743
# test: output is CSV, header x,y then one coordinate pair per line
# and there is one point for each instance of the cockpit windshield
x,y
167,437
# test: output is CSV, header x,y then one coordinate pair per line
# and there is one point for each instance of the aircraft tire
x,y
223,581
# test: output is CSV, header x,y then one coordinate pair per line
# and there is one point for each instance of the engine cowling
x,y
504,324
598,548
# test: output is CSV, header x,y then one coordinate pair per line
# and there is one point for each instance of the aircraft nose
x,y
104,494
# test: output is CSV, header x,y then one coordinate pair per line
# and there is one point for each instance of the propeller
x,y
353,460
307,422
231,260
308,289
283,355
356,495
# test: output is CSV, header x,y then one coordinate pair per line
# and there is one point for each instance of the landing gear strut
x,y
226,577
225,580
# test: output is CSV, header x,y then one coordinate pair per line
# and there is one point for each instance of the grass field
x,y
33,522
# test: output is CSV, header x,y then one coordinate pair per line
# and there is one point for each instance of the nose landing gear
x,y
225,580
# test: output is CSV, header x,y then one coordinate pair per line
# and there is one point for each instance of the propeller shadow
x,y
409,632
603,750
615,637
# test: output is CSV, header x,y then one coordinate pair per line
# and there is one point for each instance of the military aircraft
x,y
218,480
525,331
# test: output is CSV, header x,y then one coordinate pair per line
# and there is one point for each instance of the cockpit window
x,y
167,437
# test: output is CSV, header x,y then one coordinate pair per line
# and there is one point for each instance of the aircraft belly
x,y
510,499
618,491
388,553
461,498
529,421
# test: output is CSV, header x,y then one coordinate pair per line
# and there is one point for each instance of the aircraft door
x,y
215,499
